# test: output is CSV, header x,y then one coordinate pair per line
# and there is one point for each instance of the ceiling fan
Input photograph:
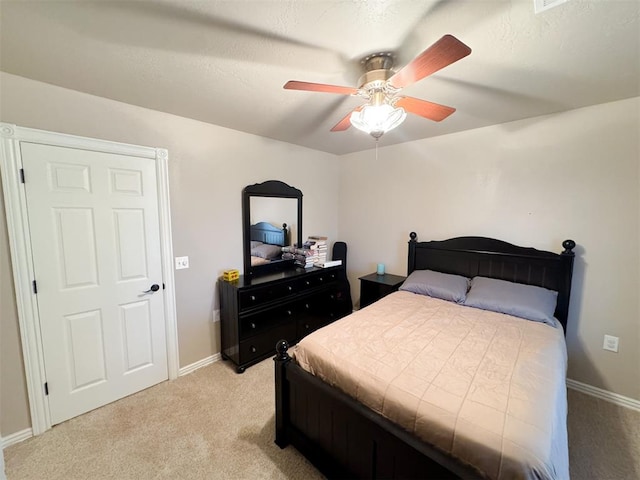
x,y
380,86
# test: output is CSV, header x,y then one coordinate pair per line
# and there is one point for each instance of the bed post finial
x,y
413,236
568,245
281,351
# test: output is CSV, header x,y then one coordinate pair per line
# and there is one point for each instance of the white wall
x,y
208,168
534,183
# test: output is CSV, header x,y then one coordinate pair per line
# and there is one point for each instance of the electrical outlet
x,y
182,262
611,343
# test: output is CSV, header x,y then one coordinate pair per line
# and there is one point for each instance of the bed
x,y
507,421
267,242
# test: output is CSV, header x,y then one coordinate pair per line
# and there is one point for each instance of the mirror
x,y
271,219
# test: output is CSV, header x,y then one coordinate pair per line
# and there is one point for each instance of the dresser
x,y
256,313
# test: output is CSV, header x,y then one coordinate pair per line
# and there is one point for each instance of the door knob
x,y
154,288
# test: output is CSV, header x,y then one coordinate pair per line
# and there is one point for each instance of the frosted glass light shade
x,y
377,119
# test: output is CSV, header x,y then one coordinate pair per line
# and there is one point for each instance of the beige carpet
x,y
215,424
604,439
211,424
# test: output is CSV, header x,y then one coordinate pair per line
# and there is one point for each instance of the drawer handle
x,y
306,326
321,279
253,298
289,288
253,349
332,297
253,325
288,312
307,283
306,305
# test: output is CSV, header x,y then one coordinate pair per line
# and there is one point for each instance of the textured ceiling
x,y
225,62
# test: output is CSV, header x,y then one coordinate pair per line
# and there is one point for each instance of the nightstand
x,y
373,287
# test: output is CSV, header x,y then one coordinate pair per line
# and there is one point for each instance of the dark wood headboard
x,y
488,257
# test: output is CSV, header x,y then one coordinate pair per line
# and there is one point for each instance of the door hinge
x,y
22,175
35,287
46,388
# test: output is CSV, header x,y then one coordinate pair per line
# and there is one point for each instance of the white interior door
x,y
95,235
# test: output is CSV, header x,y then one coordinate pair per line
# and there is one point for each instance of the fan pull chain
x,y
377,140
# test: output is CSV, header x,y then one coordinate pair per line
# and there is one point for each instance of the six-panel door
x,y
96,245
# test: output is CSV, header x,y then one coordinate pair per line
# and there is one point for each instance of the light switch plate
x,y
611,343
182,262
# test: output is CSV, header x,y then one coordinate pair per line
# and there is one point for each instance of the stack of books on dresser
x,y
312,253
303,257
318,245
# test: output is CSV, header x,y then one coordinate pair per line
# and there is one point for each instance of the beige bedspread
x,y
255,261
487,388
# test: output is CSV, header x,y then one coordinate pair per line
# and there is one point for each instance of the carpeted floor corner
x,y
604,439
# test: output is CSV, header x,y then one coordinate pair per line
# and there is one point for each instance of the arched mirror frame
x,y
273,189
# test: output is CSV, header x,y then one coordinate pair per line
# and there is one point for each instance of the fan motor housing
x,y
377,70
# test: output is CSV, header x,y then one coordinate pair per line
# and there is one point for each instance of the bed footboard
x,y
343,438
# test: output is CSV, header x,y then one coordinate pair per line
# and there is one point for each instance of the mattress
x,y
487,388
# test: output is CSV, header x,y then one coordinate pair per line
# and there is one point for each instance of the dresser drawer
x,y
316,311
309,324
267,319
264,344
317,279
268,293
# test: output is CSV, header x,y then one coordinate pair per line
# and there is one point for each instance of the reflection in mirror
x,y
276,212
272,215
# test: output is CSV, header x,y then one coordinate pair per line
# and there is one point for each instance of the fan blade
x,y
432,111
319,87
444,52
345,122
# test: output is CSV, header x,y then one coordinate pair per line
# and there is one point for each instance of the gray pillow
x,y
437,285
524,301
267,251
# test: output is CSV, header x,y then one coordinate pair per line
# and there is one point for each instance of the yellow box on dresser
x,y
230,275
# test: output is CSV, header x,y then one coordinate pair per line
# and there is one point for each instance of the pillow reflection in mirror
x,y
267,251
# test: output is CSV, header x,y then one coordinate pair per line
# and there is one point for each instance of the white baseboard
x,y
17,437
604,394
199,364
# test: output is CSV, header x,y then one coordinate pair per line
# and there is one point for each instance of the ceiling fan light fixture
x,y
380,87
376,120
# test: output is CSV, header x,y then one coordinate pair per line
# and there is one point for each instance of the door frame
x,y
22,259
